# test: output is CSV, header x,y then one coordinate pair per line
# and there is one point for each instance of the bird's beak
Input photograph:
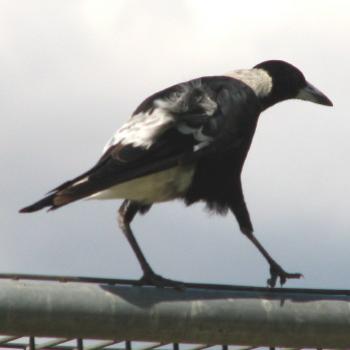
x,y
310,93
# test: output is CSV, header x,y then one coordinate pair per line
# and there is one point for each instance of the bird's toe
x,y
277,273
156,280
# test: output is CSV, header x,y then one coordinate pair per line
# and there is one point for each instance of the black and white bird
x,y
188,142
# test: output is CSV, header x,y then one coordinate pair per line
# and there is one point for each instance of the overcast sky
x,y
73,71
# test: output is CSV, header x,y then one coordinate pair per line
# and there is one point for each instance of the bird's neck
x,y
257,79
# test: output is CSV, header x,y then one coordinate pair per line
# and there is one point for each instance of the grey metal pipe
x,y
240,317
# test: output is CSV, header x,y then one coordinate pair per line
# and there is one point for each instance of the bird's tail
x,y
64,194
58,199
53,201
94,181
42,203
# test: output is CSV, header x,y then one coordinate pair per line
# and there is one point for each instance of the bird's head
x,y
288,82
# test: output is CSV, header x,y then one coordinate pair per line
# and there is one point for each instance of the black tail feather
x,y
58,198
45,202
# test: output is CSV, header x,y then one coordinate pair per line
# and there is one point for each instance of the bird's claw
x,y
153,279
276,272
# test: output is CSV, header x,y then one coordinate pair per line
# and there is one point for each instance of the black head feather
x,y
287,81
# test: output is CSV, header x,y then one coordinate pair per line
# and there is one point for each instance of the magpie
x,y
189,142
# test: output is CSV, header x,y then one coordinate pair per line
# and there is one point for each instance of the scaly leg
x,y
276,271
241,213
127,212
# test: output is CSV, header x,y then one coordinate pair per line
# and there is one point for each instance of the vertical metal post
x,y
31,343
80,344
128,345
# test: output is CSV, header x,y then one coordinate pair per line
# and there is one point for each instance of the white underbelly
x,y
158,187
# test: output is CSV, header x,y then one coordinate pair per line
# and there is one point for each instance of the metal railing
x,y
35,343
119,314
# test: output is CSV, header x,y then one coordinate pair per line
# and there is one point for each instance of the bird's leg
x,y
276,271
126,213
241,213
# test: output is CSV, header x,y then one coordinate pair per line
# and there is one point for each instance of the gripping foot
x,y
277,273
153,279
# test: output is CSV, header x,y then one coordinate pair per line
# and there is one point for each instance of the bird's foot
x,y
276,272
153,279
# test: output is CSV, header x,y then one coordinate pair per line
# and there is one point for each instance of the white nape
x,y
257,79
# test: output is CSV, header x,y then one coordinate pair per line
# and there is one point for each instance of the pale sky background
x,y
73,71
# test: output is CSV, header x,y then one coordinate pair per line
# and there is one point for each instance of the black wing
x,y
177,125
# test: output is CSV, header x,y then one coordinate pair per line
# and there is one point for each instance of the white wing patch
x,y
196,132
141,129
